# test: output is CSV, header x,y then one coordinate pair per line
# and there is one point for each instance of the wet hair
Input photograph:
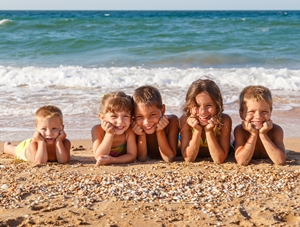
x,y
115,102
48,112
147,95
209,87
258,93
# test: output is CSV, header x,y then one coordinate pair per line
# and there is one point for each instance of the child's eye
x,y
137,117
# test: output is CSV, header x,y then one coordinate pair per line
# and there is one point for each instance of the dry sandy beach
x,y
153,193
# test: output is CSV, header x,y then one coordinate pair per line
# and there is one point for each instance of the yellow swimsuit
x,y
21,149
204,143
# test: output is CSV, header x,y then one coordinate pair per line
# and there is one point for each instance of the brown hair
x,y
211,88
48,112
259,93
147,95
116,101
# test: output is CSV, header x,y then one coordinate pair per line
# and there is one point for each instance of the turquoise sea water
x,y
71,58
150,38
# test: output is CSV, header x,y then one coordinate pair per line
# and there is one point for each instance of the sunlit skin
x,y
109,134
202,122
257,136
49,142
157,133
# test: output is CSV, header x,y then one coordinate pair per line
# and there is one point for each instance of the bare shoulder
x,y
239,129
96,128
173,119
129,132
226,118
276,131
67,144
97,132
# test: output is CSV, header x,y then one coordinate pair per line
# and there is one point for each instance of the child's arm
x,y
63,147
245,145
102,143
190,142
38,149
274,147
167,143
130,156
218,148
141,142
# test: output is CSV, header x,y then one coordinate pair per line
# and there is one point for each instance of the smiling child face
x,y
256,112
49,128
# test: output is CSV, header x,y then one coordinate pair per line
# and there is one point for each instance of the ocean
x,y
70,58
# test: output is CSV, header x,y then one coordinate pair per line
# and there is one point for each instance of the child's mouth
x,y
257,124
148,127
49,139
204,118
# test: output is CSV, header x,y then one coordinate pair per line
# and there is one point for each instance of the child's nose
x,y
200,110
48,132
257,114
146,121
119,120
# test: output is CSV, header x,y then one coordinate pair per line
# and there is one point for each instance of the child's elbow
x,y
242,163
64,161
280,162
141,159
189,159
39,162
169,159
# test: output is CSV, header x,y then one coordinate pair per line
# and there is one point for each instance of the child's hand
x,y
62,135
211,124
249,127
194,123
137,129
267,126
163,122
108,127
103,160
37,136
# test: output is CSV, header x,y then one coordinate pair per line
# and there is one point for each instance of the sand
x,y
153,193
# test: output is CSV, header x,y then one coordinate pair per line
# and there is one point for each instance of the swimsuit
x,y
119,150
204,143
21,149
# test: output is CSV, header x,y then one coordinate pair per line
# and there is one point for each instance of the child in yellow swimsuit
x,y
204,129
113,140
49,141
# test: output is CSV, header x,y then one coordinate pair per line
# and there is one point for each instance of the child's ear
x,y
101,116
241,115
62,127
163,109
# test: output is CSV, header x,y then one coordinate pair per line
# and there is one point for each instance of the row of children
x,y
137,127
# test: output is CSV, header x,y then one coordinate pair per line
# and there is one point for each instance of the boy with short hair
x,y
257,136
157,133
49,141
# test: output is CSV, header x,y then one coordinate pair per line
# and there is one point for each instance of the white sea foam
x,y
77,91
116,78
4,21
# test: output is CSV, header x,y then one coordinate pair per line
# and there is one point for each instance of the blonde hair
x,y
116,101
209,87
147,95
48,112
258,93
